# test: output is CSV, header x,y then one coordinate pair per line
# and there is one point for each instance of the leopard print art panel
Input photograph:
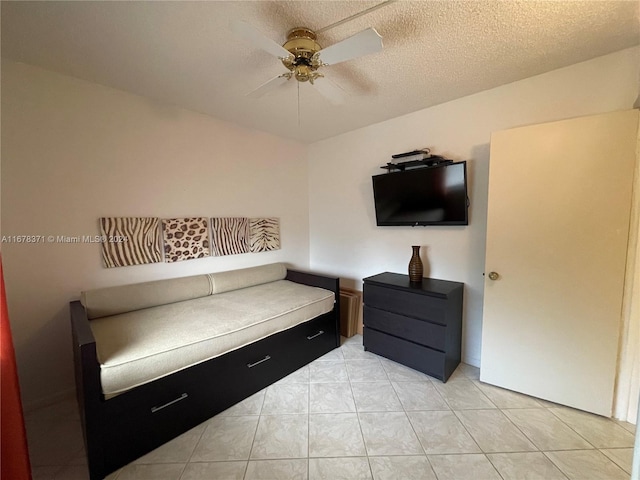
x,y
185,238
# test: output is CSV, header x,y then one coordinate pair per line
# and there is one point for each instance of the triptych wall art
x,y
141,240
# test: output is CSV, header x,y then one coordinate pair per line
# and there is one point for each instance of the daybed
x,y
153,360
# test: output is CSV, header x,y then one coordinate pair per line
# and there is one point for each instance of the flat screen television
x,y
422,196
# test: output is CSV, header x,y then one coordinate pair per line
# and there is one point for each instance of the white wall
x,y
344,237
74,151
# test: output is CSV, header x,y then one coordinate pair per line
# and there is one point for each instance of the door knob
x,y
494,276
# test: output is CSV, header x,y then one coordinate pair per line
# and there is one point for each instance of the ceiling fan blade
x,y
270,85
330,91
254,36
363,43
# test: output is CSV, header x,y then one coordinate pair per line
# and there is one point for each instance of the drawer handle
x,y
316,335
251,365
181,397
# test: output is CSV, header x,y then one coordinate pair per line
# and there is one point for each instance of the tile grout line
x,y
522,431
554,463
615,461
463,426
309,426
483,453
435,389
386,374
255,433
192,451
357,412
545,451
593,447
494,467
519,429
420,441
578,433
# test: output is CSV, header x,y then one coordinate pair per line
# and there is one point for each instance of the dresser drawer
x,y
418,331
423,359
406,303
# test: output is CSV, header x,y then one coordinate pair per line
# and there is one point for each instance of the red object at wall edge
x,y
14,453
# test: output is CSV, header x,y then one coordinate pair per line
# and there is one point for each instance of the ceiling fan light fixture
x,y
303,72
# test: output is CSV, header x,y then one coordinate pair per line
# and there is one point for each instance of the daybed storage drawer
x,y
266,361
131,430
291,349
191,396
419,331
319,335
424,359
295,346
405,303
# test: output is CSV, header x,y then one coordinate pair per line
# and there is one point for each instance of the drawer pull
x,y
316,335
181,397
251,365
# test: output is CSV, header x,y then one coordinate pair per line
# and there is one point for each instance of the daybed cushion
x,y
137,347
247,277
104,302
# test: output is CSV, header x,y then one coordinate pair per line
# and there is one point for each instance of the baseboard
x,y
473,361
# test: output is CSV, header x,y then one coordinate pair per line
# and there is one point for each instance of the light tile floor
x,y
354,415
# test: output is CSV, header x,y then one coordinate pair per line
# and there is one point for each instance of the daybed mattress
x,y
138,347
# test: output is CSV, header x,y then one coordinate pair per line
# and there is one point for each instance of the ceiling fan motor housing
x,y
301,42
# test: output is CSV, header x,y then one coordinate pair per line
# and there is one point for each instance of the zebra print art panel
x,y
185,238
229,236
264,234
130,241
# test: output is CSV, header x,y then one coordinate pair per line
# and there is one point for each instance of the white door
x,y
557,230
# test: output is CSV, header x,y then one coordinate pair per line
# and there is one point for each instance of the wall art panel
x,y
185,238
264,234
130,241
229,236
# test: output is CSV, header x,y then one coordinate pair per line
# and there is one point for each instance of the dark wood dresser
x,y
417,325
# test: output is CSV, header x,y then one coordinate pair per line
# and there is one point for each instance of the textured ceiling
x,y
184,53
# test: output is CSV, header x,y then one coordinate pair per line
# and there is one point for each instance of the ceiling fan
x,y
303,57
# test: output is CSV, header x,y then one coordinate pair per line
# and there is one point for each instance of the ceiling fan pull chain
x,y
298,104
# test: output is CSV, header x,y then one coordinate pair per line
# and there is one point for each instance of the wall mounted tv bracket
x,y
430,161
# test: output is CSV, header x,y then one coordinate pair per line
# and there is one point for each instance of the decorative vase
x,y
415,266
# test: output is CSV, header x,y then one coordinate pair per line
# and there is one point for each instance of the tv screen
x,y
422,196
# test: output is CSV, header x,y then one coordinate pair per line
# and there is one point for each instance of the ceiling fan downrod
x,y
353,17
